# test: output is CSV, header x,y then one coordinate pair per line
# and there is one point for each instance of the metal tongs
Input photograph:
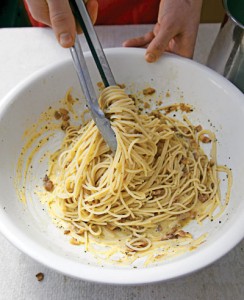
x,y
103,124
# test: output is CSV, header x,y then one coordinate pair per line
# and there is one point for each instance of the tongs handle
x,y
84,78
98,116
80,12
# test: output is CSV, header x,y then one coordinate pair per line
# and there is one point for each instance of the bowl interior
x,y
218,105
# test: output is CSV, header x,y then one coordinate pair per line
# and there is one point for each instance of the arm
x,y
175,31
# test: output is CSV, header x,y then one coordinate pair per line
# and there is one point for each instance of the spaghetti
x,y
157,181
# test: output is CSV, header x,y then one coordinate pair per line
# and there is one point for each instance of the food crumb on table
x,y
40,276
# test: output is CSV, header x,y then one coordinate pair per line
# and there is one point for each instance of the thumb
x,y
62,22
160,42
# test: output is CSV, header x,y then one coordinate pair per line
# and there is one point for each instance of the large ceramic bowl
x,y
218,105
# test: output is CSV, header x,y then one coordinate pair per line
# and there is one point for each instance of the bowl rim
x,y
175,269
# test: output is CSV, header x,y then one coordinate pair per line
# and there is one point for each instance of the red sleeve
x,y
120,12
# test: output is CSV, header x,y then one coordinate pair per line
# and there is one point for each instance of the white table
x,y
24,51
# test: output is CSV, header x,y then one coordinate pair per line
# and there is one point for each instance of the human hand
x,y
58,15
175,31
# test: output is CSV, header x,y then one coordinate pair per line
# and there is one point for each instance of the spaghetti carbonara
x,y
157,181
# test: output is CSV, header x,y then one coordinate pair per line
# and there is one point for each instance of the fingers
x,y
176,29
160,42
62,22
139,41
39,11
58,15
92,8
183,45
156,40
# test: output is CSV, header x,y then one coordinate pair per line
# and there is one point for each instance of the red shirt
x,y
119,12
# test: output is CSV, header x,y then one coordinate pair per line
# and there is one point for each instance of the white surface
x,y
223,280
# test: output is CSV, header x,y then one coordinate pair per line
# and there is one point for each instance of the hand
x,y
175,31
58,15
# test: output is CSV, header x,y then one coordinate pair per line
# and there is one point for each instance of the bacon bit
x,y
185,172
65,125
202,198
156,114
176,199
185,130
65,117
148,91
159,102
169,236
111,227
100,85
193,215
181,233
194,144
48,184
176,235
160,145
57,115
159,228
132,97
66,231
130,218
40,276
70,99
143,244
121,85
195,155
158,193
185,161
75,242
63,111
198,128
170,108
159,256
81,231
184,216
146,105
185,107
205,139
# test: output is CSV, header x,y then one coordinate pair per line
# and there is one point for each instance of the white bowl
x,y
214,99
